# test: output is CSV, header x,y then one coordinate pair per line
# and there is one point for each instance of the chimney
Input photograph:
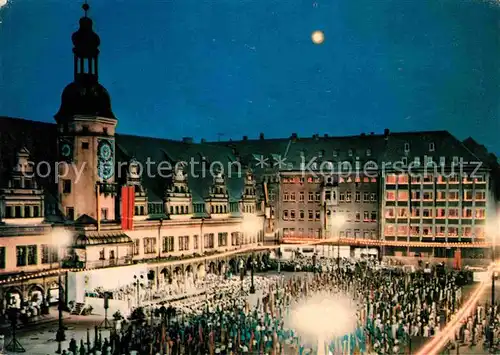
x,y
294,137
245,138
261,136
188,140
203,140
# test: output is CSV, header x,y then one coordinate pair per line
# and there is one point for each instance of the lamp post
x,y
252,286
337,221
61,238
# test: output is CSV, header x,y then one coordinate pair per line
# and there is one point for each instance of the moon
x,y
3,3
318,37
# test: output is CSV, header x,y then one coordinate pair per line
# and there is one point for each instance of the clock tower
x,y
86,135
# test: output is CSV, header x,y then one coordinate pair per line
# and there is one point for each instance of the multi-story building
x,y
125,199
116,200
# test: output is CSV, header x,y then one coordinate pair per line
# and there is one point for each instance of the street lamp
x,y
61,238
252,287
138,283
337,221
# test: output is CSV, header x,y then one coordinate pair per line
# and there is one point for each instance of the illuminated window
x,y
402,212
426,213
428,195
480,195
453,213
428,179
479,179
358,196
467,231
341,197
480,213
149,245
402,230
402,195
136,246
441,195
452,231
390,195
389,213
358,216
440,213
222,239
292,214
389,229
301,196
468,195
391,179
285,214
402,179
467,212
453,179
311,215
318,196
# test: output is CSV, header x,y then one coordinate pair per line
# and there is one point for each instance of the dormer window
x,y
431,147
407,147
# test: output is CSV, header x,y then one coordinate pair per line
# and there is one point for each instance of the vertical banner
x,y
125,208
131,207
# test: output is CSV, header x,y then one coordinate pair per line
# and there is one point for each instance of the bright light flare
x,y
318,37
3,3
323,317
61,237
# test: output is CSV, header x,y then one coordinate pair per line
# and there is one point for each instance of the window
x,y
292,214
373,216
366,234
480,195
358,196
311,216
209,240
453,195
311,196
402,179
111,255
66,186
480,213
70,213
441,195
389,229
104,213
407,147
431,147
390,195
349,152
27,212
184,242
348,196
136,246
285,215
479,179
366,196
402,195
426,213
389,212
416,162
402,230
45,254
357,233
467,231
195,242
440,213
292,196
301,196
85,145
467,212
318,196
428,195
468,195
373,197
300,232
402,212
102,255
149,245
358,216
453,213
2,258
286,197
416,195
21,255
391,179
341,197
318,215
301,214
32,255
328,195
415,212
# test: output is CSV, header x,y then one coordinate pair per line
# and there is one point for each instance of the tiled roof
x,y
41,141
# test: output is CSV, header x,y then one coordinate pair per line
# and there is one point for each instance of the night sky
x,y
202,68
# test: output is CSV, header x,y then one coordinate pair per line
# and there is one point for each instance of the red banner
x,y
125,208
128,206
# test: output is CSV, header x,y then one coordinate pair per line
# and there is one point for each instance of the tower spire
x,y
85,7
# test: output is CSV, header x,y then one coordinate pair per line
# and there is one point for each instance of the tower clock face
x,y
105,159
65,150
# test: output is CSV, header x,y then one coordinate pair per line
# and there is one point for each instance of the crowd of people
x,y
392,307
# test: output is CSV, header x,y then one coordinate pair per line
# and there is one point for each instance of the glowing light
x,y
312,318
318,37
3,3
